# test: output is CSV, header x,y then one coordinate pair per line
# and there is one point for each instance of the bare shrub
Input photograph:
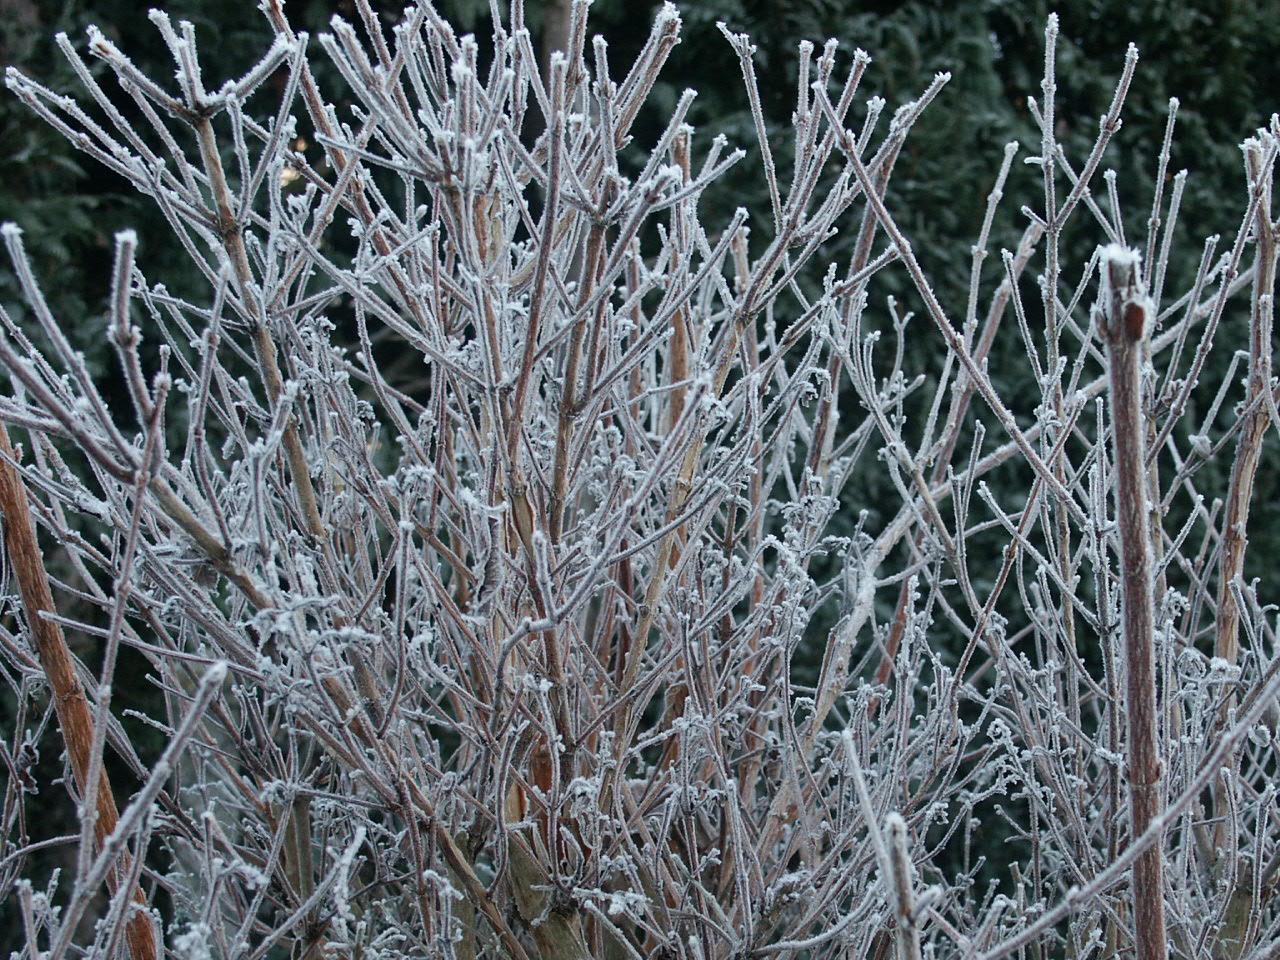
x,y
493,528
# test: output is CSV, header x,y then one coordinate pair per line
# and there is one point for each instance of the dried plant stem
x,y
1124,327
75,718
1249,444
1244,469
903,895
233,242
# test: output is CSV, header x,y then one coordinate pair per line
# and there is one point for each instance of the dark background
x,y
1221,59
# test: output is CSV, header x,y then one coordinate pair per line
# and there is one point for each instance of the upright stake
x,y
1123,323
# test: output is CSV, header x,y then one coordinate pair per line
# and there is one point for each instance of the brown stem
x,y
903,895
75,719
1244,469
1124,327
1249,445
233,243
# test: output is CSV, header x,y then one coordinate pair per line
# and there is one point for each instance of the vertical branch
x,y
74,716
230,232
680,346
1155,269
1249,445
1123,323
546,248
904,897
1244,469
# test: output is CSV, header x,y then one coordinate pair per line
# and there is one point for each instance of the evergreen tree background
x,y
1221,58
